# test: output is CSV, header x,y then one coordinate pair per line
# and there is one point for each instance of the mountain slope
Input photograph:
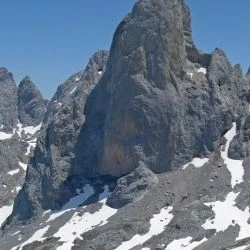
x,y
145,149
22,111
31,105
55,150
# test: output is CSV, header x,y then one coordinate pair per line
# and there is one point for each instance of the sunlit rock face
x,y
160,101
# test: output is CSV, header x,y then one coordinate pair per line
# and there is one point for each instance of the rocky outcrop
x,y
8,101
132,187
154,104
31,105
159,102
22,111
51,166
240,146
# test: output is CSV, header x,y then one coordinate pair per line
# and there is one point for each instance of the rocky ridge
x,y
153,133
21,115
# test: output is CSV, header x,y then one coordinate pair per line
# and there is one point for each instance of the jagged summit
x,y
20,122
6,76
8,100
31,105
26,80
155,33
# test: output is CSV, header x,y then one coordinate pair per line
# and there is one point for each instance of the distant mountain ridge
x,y
22,111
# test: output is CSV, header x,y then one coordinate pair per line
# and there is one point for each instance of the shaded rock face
x,y
240,146
8,100
149,108
157,101
132,187
70,89
31,105
21,110
11,152
24,103
50,181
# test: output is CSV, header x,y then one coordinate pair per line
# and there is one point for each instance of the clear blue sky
x,y
51,39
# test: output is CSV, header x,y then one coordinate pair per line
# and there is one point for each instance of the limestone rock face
x,y
132,187
160,101
50,180
156,100
22,111
8,100
31,105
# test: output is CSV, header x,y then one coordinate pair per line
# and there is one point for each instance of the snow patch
x,y
100,72
197,162
234,166
158,224
5,212
37,236
190,74
73,203
202,70
185,243
232,216
32,144
23,165
241,248
12,172
73,90
5,136
17,232
16,189
19,129
80,224
31,129
28,130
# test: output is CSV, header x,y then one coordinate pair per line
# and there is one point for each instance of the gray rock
x,y
31,105
50,181
23,103
160,102
132,187
146,108
240,146
8,101
11,152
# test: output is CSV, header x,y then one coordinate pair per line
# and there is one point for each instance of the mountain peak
x,y
163,33
6,76
25,80
160,105
31,105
